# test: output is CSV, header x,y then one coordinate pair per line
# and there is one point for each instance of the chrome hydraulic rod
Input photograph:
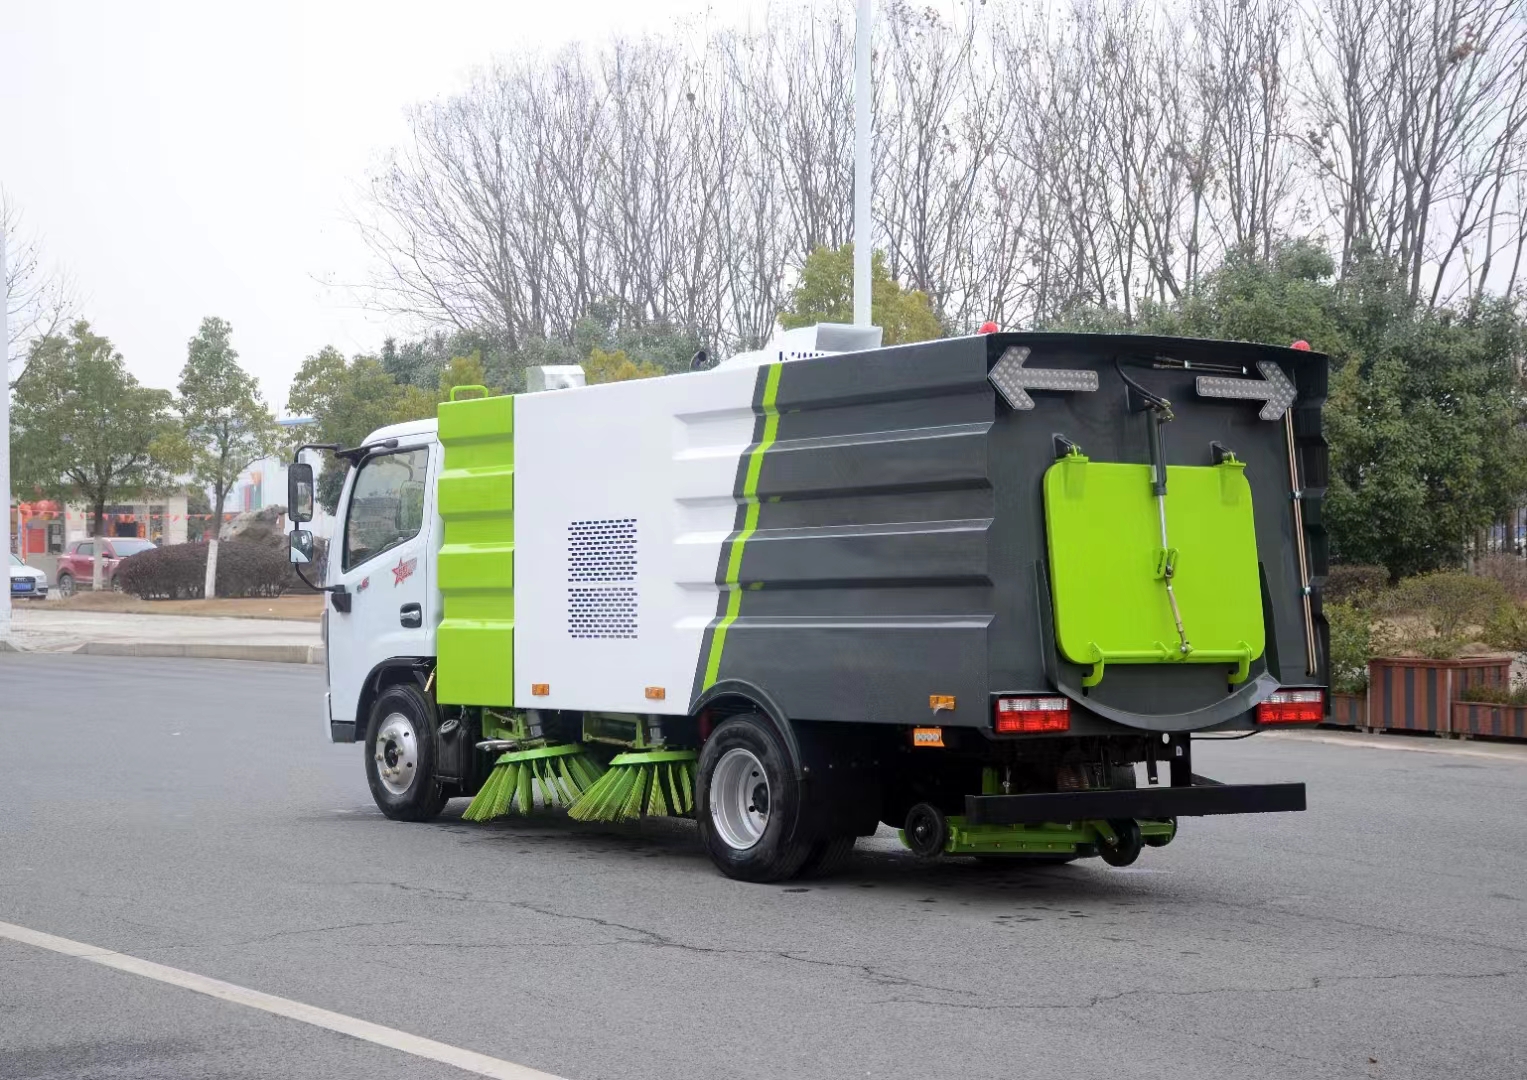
x,y
1311,649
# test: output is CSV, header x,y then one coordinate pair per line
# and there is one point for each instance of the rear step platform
x,y
1203,798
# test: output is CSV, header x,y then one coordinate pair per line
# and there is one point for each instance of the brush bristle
x,y
661,789
512,785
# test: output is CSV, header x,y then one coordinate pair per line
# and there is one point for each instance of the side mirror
x,y
302,546
299,495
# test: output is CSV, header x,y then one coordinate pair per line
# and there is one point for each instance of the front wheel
x,y
401,756
748,800
66,585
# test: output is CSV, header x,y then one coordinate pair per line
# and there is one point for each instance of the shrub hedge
x,y
179,572
1355,585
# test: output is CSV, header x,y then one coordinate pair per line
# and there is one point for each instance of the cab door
x,y
382,557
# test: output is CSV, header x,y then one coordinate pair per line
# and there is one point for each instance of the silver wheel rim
x,y
739,799
397,753
66,585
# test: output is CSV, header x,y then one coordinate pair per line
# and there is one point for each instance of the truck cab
x,y
383,606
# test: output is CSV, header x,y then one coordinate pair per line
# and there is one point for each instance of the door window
x,y
86,551
386,504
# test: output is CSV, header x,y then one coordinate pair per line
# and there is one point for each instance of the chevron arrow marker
x,y
1013,381
1274,389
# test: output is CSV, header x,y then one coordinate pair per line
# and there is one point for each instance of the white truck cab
x,y
383,604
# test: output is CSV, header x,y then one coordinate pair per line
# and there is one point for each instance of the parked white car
x,y
27,582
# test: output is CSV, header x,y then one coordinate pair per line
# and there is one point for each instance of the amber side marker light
x,y
1293,707
1026,715
927,736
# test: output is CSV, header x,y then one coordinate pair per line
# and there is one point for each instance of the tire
x,y
1128,843
66,585
402,769
743,755
827,857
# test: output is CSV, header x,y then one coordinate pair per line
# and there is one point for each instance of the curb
x,y
271,654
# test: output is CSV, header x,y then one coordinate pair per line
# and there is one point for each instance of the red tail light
x,y
1026,715
1293,707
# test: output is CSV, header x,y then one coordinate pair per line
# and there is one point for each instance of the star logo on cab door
x,y
403,571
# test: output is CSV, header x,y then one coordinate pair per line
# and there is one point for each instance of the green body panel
x,y
475,642
1106,563
733,584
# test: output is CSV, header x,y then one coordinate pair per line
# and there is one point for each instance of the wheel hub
x,y
397,753
739,799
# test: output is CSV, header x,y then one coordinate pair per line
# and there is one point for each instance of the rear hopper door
x,y
1139,577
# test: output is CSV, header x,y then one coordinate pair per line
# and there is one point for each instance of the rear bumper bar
x,y
1203,798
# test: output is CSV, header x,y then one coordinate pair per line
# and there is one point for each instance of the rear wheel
x,y
748,801
827,856
401,756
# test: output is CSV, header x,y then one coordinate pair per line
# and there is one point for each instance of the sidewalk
x,y
103,634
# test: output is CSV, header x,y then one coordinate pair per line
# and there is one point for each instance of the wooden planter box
x,y
1412,693
1348,710
1483,718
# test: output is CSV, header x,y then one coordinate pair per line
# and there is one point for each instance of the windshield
x,y
15,560
124,548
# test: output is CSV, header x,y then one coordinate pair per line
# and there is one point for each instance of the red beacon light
x,y
989,327
1301,345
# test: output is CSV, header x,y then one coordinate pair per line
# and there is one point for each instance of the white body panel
x,y
662,454
372,631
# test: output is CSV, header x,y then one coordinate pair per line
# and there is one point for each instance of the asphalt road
x,y
192,814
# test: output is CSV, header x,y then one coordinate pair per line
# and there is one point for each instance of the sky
x,y
185,158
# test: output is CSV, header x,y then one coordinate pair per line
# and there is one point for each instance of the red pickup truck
x,y
75,569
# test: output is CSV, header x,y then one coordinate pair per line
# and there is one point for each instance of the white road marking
x,y
466,1060
1502,752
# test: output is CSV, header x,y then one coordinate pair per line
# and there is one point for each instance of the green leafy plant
x,y
1438,615
179,572
1509,570
1351,647
825,293
1360,586
1496,695
1507,627
83,428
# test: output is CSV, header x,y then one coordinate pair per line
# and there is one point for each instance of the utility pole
x,y
5,440
863,243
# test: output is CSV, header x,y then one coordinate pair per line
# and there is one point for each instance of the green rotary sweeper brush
x,y
559,772
660,782
647,778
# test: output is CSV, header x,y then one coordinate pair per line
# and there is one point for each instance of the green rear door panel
x,y
476,569
1104,534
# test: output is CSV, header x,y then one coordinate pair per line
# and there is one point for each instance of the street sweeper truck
x,y
987,590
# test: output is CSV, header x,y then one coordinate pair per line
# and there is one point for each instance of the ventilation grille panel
x,y
601,613
602,550
600,554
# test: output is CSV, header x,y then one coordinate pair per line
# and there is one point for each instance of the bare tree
x,y
40,297
1417,125
1031,159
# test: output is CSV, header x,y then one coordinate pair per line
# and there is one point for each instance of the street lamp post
x,y
5,441
863,244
